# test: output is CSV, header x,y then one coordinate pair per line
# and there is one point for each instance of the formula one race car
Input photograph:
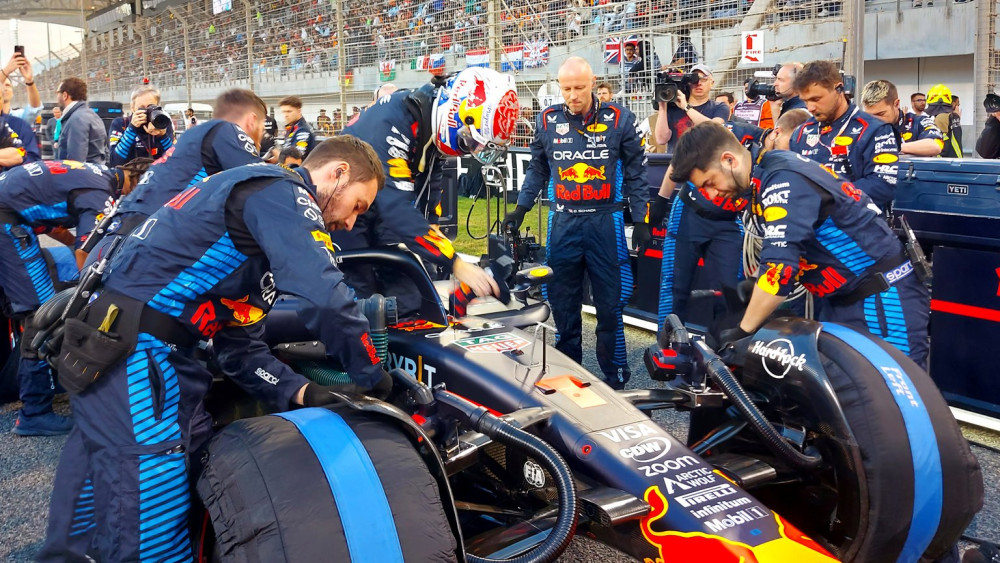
x,y
825,444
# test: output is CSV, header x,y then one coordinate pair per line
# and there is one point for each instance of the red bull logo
x,y
581,173
698,547
832,281
804,267
243,312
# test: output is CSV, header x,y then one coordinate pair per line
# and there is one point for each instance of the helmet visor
x,y
486,152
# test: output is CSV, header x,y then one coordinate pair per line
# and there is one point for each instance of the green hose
x,y
376,308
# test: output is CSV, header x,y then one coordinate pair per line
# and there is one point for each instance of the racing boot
x,y
48,424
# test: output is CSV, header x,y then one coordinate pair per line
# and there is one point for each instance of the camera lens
x,y
157,117
666,93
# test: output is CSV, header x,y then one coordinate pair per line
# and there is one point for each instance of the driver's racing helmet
x,y
475,114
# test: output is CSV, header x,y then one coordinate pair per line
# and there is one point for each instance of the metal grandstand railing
x,y
261,42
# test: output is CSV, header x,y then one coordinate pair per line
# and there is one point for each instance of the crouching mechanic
x,y
37,198
591,157
208,265
821,231
413,131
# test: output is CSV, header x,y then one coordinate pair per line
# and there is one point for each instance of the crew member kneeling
x,y
819,230
209,264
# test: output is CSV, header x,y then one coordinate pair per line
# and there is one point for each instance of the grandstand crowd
x,y
277,37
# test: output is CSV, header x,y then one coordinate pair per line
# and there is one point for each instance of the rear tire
x,y
268,497
866,486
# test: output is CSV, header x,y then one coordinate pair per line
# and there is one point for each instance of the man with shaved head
x,y
590,156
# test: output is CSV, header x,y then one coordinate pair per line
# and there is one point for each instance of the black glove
x,y
735,343
382,387
640,235
515,218
317,395
658,210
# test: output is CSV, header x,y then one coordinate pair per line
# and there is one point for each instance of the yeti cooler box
x,y
949,201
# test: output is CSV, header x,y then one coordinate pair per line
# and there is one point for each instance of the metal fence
x,y
286,42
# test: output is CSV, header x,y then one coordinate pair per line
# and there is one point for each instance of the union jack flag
x,y
613,48
536,53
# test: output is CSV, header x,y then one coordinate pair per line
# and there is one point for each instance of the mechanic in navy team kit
x,y
844,139
34,198
298,133
135,135
590,157
821,231
230,139
413,131
919,135
208,265
784,87
698,228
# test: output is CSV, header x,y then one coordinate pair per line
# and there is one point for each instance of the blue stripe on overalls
x,y
548,238
624,271
163,482
164,499
34,264
666,305
926,459
739,270
220,260
369,526
855,259
83,510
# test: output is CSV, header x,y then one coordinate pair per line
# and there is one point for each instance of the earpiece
x,y
339,172
840,88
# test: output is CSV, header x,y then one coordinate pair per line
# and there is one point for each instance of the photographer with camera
x,y
147,133
919,135
988,144
697,228
841,137
683,101
784,87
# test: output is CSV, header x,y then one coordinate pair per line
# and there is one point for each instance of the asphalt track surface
x,y
27,466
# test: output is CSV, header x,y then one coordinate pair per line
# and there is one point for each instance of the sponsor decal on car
x,y
628,432
495,343
417,369
647,451
778,357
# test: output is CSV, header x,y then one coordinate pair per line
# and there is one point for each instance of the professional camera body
x,y
669,83
755,89
992,103
155,115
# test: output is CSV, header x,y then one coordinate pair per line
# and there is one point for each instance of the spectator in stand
x,y
135,136
604,92
297,130
685,56
988,144
83,137
918,100
53,126
338,120
324,123
189,119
